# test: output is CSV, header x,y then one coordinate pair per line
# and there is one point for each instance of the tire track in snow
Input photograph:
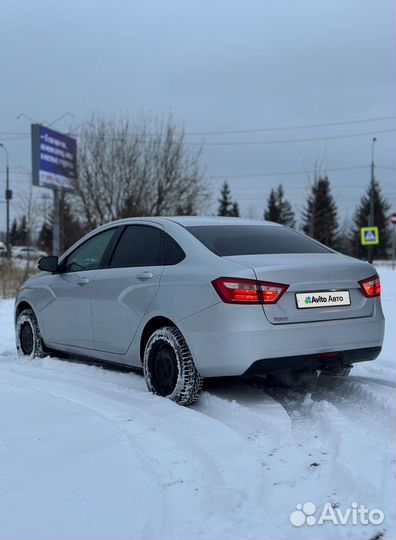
x,y
351,445
202,465
372,380
247,411
319,448
368,404
26,378
267,426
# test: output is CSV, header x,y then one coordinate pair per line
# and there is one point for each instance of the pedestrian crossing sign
x,y
369,236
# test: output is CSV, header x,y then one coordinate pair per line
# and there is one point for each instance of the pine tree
x,y
23,233
344,241
361,219
44,241
320,214
235,209
225,202
272,212
227,207
279,209
71,228
19,234
14,232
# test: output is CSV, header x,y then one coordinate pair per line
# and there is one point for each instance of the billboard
x,y
54,158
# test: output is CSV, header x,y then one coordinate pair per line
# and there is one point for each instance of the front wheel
x,y
28,336
169,368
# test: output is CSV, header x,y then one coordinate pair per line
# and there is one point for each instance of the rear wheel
x,y
28,336
169,368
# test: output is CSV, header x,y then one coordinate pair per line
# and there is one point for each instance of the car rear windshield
x,y
228,240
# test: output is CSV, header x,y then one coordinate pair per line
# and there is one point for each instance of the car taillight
x,y
371,286
248,291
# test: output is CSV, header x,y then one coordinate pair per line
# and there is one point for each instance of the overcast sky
x,y
216,65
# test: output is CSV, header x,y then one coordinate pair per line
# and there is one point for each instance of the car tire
x,y
28,337
169,368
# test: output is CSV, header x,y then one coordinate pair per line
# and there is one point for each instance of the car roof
x,y
191,221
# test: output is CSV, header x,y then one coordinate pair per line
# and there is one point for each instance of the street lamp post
x,y
8,197
371,212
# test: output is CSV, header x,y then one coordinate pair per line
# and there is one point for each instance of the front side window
x,y
228,240
139,245
89,255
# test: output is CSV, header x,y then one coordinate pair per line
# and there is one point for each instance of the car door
x,y
122,292
68,315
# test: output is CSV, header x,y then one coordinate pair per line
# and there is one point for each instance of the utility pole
x,y
56,223
371,217
8,197
45,197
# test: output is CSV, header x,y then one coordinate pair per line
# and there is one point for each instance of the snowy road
x,y
89,453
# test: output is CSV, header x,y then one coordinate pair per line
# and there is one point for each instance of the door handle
x,y
145,275
83,280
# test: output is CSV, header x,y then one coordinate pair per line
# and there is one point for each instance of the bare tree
x,y
29,211
137,168
14,272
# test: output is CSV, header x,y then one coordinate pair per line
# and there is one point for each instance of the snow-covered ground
x,y
89,453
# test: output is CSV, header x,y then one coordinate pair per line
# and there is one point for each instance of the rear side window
x,y
139,245
173,253
228,240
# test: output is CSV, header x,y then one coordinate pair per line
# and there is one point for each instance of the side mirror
x,y
48,264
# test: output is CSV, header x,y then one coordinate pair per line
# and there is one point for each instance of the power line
x,y
291,141
386,168
241,131
290,128
17,171
259,143
288,173
249,190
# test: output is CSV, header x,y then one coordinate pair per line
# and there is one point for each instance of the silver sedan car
x,y
186,298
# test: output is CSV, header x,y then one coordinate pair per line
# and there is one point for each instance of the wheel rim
x,y
164,369
26,338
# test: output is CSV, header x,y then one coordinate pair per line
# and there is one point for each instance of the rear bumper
x,y
313,361
226,340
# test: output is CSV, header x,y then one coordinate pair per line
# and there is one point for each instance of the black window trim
x,y
112,245
110,254
163,256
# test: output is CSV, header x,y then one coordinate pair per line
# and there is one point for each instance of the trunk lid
x,y
318,273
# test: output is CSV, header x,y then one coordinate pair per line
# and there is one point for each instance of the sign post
x,y
393,221
54,166
56,229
